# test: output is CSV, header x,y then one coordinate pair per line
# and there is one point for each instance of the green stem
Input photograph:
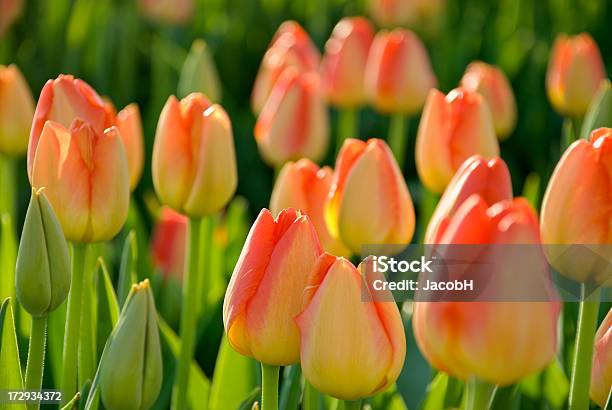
x,y
583,353
8,177
36,357
269,387
311,397
398,138
86,357
73,322
479,394
348,125
191,280
206,248
352,405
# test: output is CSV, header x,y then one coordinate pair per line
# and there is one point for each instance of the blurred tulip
x,y
452,128
168,243
393,13
130,130
500,342
490,82
42,274
173,12
369,202
344,61
303,185
199,73
10,10
85,176
267,286
16,111
131,369
194,164
490,179
398,72
601,377
290,47
294,122
350,348
62,101
575,71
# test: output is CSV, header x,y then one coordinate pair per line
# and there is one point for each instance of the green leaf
x,y
10,370
8,254
291,388
507,398
247,403
108,306
234,379
600,111
389,400
531,189
127,269
556,385
56,327
443,392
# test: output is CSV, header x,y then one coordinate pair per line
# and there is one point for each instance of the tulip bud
x,y
130,130
394,13
294,122
398,73
131,366
290,47
199,73
344,61
601,373
575,70
176,12
575,206
85,175
490,82
499,342
62,101
10,10
266,289
303,185
490,179
42,274
194,164
168,243
369,202
350,348
16,111
452,129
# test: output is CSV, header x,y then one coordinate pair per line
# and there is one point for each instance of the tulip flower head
x,y
10,10
601,373
490,82
350,348
199,73
398,73
452,129
344,62
168,242
294,123
394,13
303,185
194,164
16,111
369,202
266,289
575,71
176,12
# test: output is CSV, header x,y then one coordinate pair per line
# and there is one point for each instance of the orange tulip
x,y
369,202
601,374
452,128
294,122
194,164
303,185
499,342
130,129
351,348
488,178
490,82
62,101
168,243
177,12
16,111
290,47
398,73
85,176
266,289
344,61
575,71
10,10
393,13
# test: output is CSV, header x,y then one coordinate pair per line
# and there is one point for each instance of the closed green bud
x,y
131,369
42,274
199,73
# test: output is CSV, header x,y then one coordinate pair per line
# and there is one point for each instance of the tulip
x,y
350,348
294,122
10,10
290,47
369,202
194,165
490,82
199,73
176,12
16,111
62,101
131,365
393,13
130,130
303,185
498,342
488,178
601,376
168,243
452,128
575,70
